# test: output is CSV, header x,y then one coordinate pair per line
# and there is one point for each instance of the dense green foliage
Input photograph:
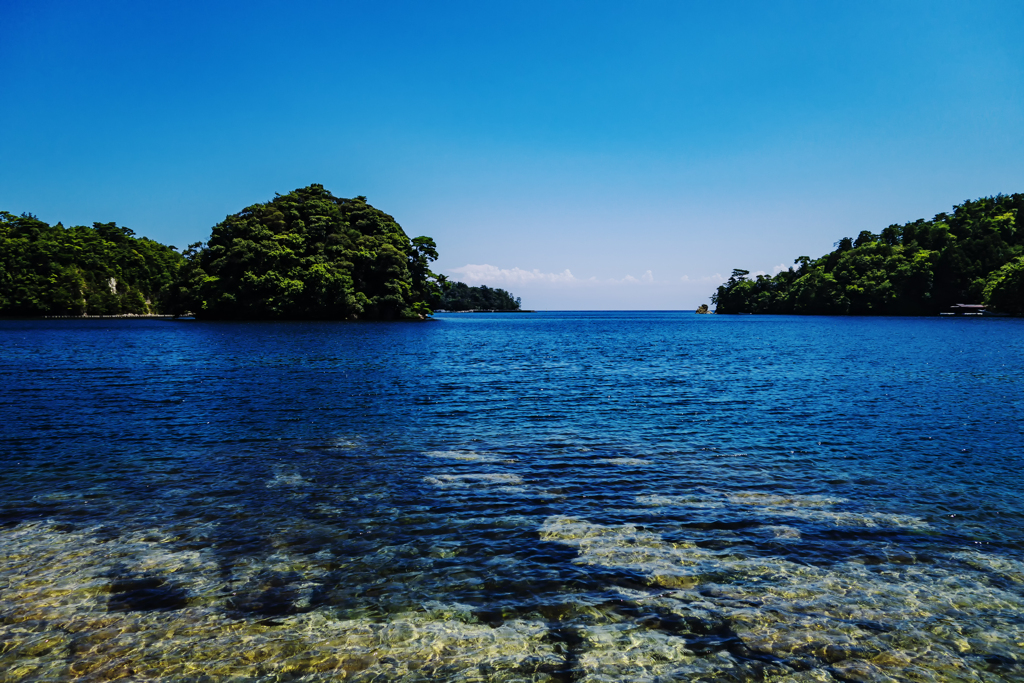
x,y
1004,288
303,255
309,255
102,270
459,296
974,255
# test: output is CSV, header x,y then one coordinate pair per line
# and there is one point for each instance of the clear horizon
x,y
584,156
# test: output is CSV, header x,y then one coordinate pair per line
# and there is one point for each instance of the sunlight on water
x,y
624,461
465,456
95,605
549,498
73,612
464,480
915,622
810,508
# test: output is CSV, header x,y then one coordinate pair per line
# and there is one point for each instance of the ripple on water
x,y
91,606
624,461
554,497
846,621
444,481
59,624
464,456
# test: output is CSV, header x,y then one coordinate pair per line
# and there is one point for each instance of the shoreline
x,y
485,310
145,316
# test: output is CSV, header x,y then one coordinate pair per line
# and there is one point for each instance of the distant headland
x,y
974,255
301,256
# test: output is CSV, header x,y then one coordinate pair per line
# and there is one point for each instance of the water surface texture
x,y
533,497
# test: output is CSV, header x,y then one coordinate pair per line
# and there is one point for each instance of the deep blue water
x,y
547,496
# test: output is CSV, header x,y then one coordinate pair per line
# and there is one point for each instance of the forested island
x,y
973,255
458,296
308,255
303,255
99,270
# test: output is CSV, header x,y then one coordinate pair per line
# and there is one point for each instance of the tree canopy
x,y
459,296
309,255
303,255
973,255
99,270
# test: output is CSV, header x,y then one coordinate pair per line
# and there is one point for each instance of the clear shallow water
x,y
533,497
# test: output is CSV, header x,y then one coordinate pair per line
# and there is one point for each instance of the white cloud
x,y
646,279
477,274
565,291
484,273
716,278
775,271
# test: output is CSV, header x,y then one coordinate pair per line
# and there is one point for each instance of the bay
x,y
513,497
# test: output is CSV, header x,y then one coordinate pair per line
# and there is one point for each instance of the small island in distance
x,y
306,255
973,256
459,297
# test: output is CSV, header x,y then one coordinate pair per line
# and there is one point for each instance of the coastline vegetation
x,y
99,270
973,255
458,296
308,255
303,255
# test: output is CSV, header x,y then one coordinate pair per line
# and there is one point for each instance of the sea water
x,y
513,497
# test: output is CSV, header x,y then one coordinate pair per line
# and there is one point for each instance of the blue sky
x,y
583,155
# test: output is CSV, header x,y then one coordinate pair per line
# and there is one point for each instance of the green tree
x,y
308,255
102,269
921,267
459,296
1004,288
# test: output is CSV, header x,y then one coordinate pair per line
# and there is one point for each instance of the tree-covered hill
x,y
459,296
309,255
99,270
303,255
974,255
